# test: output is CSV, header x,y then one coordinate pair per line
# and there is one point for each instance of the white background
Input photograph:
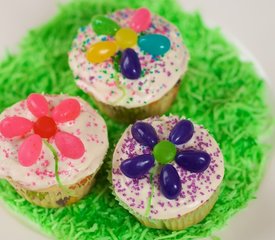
x,y
252,22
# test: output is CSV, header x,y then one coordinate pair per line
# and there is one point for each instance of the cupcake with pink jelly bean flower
x,y
167,172
51,148
130,62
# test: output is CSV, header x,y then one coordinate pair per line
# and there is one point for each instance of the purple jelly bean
x,y
182,132
169,180
138,166
129,64
193,161
144,134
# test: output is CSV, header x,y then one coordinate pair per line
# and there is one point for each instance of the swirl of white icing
x,y
89,127
197,188
109,86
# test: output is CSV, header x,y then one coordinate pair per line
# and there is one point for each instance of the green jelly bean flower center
x,y
164,152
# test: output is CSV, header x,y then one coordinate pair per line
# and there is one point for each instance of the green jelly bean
x,y
164,152
104,26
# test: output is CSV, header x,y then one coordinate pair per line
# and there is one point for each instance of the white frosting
x,y
160,76
197,188
89,127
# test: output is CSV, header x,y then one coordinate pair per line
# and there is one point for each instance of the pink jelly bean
x,y
67,110
38,105
30,150
69,145
141,20
15,126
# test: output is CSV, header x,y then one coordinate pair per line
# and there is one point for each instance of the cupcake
x,y
130,62
167,172
51,148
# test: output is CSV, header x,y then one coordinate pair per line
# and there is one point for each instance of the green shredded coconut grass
x,y
219,91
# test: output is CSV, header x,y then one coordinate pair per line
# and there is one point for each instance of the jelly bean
x,y
141,20
154,44
129,64
193,161
101,51
15,126
182,132
169,180
137,166
126,38
30,150
104,26
69,145
144,134
45,127
67,110
164,152
37,104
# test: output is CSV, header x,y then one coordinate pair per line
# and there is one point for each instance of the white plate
x,y
255,222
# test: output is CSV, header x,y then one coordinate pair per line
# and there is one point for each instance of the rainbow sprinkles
x,y
128,58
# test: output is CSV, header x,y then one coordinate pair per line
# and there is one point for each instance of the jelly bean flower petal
x,y
144,134
141,20
15,126
138,166
69,145
182,132
169,181
37,105
104,26
154,44
193,160
30,150
129,64
67,110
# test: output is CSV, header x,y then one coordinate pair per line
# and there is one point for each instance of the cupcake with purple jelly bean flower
x,y
167,172
130,62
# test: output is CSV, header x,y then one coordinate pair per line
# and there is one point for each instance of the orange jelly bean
x,y
101,51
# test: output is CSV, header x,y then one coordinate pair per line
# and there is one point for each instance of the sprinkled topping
x,y
105,81
78,125
196,188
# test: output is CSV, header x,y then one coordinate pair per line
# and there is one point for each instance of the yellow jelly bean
x,y
101,51
126,38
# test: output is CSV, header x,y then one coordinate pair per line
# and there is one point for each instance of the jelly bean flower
x,y
164,152
44,128
123,39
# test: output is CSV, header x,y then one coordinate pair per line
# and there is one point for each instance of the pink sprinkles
x,y
42,174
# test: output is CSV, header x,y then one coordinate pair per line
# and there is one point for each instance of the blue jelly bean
x,y
129,64
169,180
144,134
154,44
193,160
137,166
182,132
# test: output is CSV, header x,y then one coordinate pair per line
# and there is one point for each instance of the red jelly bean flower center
x,y
45,127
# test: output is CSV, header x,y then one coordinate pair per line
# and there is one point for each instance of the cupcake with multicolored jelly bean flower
x,y
130,62
167,172
51,148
